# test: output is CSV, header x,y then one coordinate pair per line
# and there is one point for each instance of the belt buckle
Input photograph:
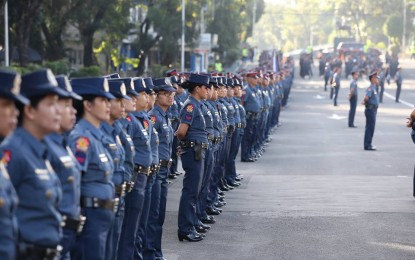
x,y
115,204
82,220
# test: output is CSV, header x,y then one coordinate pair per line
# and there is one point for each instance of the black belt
x,y
154,168
142,169
191,144
369,106
88,202
130,185
166,163
74,224
120,189
210,137
217,140
37,252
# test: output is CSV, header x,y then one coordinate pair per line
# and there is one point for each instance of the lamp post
x,y
404,29
183,30
6,34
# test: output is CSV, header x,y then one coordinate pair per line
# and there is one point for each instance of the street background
x,y
315,193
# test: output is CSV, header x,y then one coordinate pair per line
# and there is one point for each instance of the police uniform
x,y
97,189
252,108
112,142
36,183
142,162
336,87
154,142
398,80
9,89
370,113
157,213
353,101
193,155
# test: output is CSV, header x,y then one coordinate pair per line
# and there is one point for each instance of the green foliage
x,y
90,71
58,67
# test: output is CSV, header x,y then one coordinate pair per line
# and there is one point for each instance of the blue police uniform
x,y
353,102
9,89
382,79
336,88
38,189
398,80
234,144
157,213
193,156
252,108
179,101
69,173
370,113
135,199
8,220
154,142
112,143
97,188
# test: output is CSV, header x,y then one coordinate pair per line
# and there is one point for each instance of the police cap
x,y
10,86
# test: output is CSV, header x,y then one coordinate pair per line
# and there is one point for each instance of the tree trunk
x,y
54,43
89,58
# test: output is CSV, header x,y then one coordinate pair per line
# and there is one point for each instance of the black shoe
x,y
234,184
217,209
220,204
172,176
210,211
208,220
178,173
248,160
189,237
370,148
201,229
353,126
221,193
224,188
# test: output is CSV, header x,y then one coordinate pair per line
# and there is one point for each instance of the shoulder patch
x,y
7,156
190,108
82,144
145,124
153,119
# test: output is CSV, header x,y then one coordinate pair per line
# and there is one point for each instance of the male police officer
x,y
371,102
353,98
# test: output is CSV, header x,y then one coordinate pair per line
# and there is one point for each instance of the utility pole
x,y
404,30
183,30
6,34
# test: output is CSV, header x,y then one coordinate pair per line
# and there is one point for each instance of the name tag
x,y
165,126
144,132
66,161
103,157
113,146
118,140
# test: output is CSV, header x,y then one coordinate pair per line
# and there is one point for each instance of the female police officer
x,y
193,142
35,181
67,168
9,94
97,189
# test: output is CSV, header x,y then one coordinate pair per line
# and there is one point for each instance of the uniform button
x,y
2,202
116,160
48,194
71,179
107,173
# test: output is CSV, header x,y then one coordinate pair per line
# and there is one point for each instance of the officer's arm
x,y
182,131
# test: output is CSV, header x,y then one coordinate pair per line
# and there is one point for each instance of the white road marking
x,y
395,246
336,117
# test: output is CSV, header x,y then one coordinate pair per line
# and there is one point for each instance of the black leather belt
x,y
74,224
142,169
120,189
166,163
191,144
154,168
371,106
217,140
37,252
88,202
210,137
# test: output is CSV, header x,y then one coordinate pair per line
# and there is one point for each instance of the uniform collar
x,y
159,109
193,99
38,147
107,128
88,126
57,138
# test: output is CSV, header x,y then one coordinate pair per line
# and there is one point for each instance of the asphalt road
x,y
316,194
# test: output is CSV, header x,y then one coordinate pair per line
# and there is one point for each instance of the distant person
x,y
353,98
398,80
371,103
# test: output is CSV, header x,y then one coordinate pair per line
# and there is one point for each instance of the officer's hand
x,y
179,151
409,122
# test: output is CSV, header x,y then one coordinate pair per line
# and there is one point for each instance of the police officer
x,y
382,79
98,201
160,118
67,169
9,94
252,108
371,103
112,142
335,84
36,183
193,142
398,80
134,201
353,98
